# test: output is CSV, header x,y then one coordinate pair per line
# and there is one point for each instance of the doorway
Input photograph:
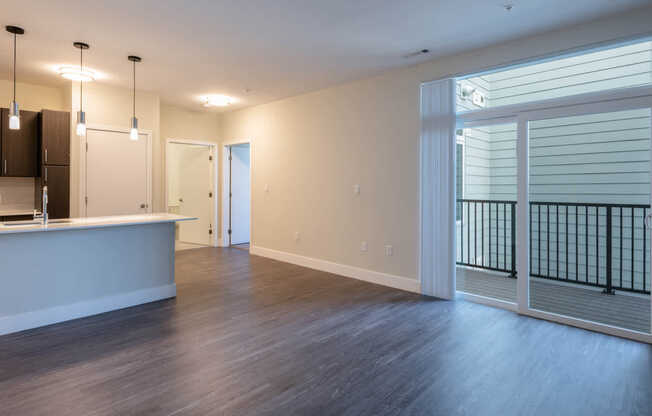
x,y
109,187
190,190
237,195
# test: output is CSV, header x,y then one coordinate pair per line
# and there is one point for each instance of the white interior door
x,y
240,194
116,174
194,187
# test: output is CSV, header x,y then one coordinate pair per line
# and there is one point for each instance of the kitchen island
x,y
79,267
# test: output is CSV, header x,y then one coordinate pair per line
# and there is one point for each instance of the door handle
x,y
143,206
46,155
46,175
180,199
647,220
5,166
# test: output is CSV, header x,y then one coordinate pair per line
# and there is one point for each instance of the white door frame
x,y
82,171
225,189
214,180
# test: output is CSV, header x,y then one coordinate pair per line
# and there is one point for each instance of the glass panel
x,y
624,66
486,208
589,194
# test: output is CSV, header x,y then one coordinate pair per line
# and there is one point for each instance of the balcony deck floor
x,y
622,310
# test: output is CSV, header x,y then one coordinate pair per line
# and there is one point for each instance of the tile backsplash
x,y
16,193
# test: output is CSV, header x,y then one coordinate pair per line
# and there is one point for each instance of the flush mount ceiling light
x,y
133,133
74,73
14,113
216,101
81,116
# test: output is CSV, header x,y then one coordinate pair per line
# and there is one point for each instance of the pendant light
x,y
133,133
14,113
81,115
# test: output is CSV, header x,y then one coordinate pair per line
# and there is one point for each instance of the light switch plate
x,y
363,246
356,189
389,250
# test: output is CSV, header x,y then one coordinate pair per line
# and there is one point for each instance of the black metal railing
x,y
493,222
602,245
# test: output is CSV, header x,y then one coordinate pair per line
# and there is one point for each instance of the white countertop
x,y
96,222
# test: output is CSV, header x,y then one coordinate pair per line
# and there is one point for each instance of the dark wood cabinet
x,y
55,138
19,148
16,218
57,179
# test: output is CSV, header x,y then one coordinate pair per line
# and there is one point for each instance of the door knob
x,y
180,199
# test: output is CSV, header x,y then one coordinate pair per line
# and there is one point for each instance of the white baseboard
x,y
397,282
42,317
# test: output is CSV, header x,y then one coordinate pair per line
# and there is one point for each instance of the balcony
x,y
587,260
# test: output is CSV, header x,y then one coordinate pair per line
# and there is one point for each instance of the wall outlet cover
x,y
363,246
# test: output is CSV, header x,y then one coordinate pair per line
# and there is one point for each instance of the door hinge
x,y
210,157
229,231
86,200
210,194
230,157
230,195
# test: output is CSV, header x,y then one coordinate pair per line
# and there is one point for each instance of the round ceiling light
x,y
217,101
74,73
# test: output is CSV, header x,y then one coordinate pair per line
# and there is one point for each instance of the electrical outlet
x,y
356,189
266,188
389,250
297,236
363,246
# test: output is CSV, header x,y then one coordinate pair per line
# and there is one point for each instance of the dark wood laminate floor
x,y
252,336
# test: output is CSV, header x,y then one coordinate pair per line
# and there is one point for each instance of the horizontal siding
x,y
625,66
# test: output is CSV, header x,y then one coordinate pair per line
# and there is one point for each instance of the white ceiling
x,y
274,48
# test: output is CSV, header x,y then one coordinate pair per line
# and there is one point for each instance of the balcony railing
x,y
601,245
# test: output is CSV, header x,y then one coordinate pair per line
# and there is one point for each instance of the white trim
x,y
598,98
496,303
225,189
82,164
213,149
384,279
42,317
591,326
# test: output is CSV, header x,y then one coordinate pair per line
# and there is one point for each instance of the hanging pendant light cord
x,y
14,67
134,89
81,82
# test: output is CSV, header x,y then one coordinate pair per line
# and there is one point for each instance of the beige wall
x,y
179,123
313,148
32,97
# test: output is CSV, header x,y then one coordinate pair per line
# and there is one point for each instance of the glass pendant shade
x,y
81,123
133,133
14,117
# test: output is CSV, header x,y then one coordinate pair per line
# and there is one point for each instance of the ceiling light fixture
x,y
81,115
14,113
76,74
133,133
217,101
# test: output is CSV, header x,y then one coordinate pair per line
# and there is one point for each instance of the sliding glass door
x,y
585,192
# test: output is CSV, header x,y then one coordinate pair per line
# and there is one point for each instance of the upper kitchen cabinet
x,y
55,138
19,149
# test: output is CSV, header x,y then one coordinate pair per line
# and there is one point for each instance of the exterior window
x,y
619,67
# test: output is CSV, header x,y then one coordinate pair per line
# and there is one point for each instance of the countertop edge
x,y
93,223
